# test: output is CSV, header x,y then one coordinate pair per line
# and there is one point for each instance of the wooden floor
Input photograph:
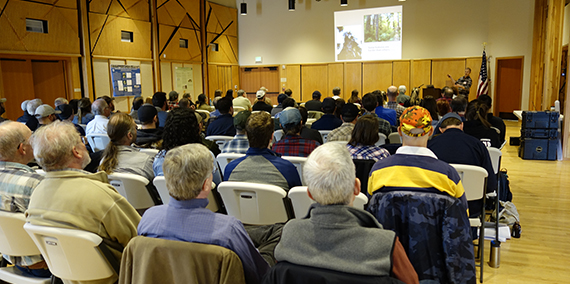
x,y
541,193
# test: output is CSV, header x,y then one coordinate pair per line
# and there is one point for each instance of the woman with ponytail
x,y
119,156
478,126
84,114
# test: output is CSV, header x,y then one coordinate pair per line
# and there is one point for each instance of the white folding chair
x,y
324,134
314,114
310,122
160,184
299,162
133,188
84,126
225,158
237,109
98,142
381,139
278,134
149,151
221,140
495,155
16,242
72,254
474,180
41,172
395,138
254,203
301,201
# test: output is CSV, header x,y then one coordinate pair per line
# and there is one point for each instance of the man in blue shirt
x,y
385,113
188,173
224,124
328,121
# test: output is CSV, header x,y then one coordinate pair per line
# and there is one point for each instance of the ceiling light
x,y
243,9
343,3
291,5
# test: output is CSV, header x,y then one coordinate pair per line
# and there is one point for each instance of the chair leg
x,y
481,247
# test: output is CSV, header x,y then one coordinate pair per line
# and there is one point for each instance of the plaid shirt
x,y
341,133
465,82
384,127
239,144
295,145
17,182
363,152
172,105
398,108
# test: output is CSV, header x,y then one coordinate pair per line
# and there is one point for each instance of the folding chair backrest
x,y
495,155
314,114
221,140
160,184
301,201
71,254
299,162
254,203
98,142
474,180
324,134
13,238
381,140
278,134
394,138
133,188
225,158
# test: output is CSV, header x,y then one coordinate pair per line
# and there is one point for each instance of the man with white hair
x,y
17,182
402,97
24,118
334,235
188,173
242,101
71,198
60,101
99,123
32,122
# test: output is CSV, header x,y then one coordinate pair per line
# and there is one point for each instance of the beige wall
x,y
566,29
306,35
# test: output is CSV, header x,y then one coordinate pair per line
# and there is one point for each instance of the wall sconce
x,y
343,3
291,5
243,9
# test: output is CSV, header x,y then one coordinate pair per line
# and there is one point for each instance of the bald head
x,y
100,107
14,144
392,93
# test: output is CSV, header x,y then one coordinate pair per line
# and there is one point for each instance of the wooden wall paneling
x,y
352,79
442,67
401,74
134,9
553,52
17,85
269,78
313,77
110,44
50,80
376,76
213,80
336,76
294,82
75,77
166,76
537,61
236,84
475,64
174,12
420,74
173,51
227,49
62,22
250,79
220,18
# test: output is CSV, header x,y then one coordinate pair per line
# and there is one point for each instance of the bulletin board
x,y
126,80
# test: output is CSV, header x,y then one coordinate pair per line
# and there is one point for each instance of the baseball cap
x,y
290,115
65,111
240,119
260,94
146,113
2,100
349,110
45,110
24,105
415,121
328,105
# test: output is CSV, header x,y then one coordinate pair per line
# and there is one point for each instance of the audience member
x,y
217,93
45,114
279,107
288,102
119,156
188,174
71,198
239,144
495,121
32,123
361,144
446,94
369,103
17,182
430,104
349,115
74,104
60,101
478,126
149,135
224,124
172,100
459,105
261,165
186,103
393,104
260,104
2,109
65,113
266,98
242,101
336,93
336,236
110,102
159,101
385,113
339,103
354,99
402,97
328,121
443,108
24,118
292,144
137,103
84,114
314,104
307,132
415,99
99,123
288,92
216,112
203,103
229,94
456,147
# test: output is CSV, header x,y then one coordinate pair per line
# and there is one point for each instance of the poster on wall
x,y
184,77
126,80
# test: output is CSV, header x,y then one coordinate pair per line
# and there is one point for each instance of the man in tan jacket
x,y
69,197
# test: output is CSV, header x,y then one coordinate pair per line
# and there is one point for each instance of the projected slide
x,y
368,34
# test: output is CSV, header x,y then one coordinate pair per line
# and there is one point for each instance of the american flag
x,y
483,85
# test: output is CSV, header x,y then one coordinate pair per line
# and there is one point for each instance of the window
x,y
183,43
126,36
37,26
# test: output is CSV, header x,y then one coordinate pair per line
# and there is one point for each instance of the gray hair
x,y
330,174
402,89
60,101
33,105
53,145
185,170
13,133
240,93
98,107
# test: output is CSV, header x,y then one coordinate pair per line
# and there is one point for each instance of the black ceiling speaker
x,y
291,5
243,9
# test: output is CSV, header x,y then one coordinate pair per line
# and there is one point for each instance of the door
x,y
508,90
49,80
18,85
